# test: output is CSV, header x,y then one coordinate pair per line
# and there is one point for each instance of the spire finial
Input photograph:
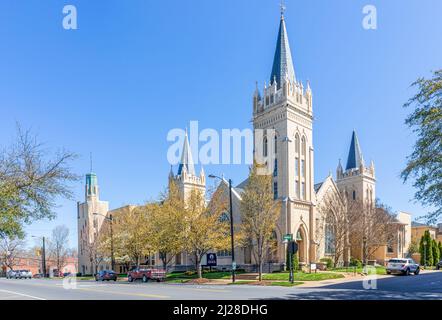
x,y
282,7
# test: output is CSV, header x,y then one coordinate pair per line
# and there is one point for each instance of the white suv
x,y
402,266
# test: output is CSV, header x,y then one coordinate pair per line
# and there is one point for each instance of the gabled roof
x,y
418,224
318,186
355,158
186,158
282,62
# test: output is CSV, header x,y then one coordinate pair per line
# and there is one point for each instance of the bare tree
x,y
30,181
58,246
94,252
370,225
332,225
10,251
259,213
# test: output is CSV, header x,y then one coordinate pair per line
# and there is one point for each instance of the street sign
x,y
293,247
233,265
211,260
288,237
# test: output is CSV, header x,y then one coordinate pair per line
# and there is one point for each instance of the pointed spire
x,y
186,158
355,158
282,62
171,172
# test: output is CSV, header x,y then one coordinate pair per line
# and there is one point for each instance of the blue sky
x,y
136,69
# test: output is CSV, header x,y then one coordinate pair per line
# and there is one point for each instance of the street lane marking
x,y
22,294
126,293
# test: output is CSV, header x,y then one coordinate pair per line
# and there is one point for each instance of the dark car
x,y
106,275
439,265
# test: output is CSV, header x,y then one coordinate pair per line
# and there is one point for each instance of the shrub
x,y
328,262
189,273
355,263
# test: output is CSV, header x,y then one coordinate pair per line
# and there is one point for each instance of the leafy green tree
x,y
440,250
424,165
436,253
413,247
426,251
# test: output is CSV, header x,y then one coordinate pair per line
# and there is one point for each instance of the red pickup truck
x,y
146,274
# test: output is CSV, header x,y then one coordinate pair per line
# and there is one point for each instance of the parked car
x,y
145,274
37,276
439,265
402,266
106,275
57,274
68,274
10,274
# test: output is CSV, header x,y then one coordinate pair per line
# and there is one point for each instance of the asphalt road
x,y
423,286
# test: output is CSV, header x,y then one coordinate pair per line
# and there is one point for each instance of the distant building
x,y
33,263
90,217
418,230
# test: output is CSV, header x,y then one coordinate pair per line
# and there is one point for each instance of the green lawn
x,y
286,284
208,275
302,276
379,270
239,282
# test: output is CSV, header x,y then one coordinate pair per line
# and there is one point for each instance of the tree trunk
x,y
164,260
198,266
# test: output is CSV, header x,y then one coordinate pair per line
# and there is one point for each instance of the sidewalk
x,y
349,278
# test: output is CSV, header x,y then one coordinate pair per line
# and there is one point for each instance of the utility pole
x,y
43,257
231,232
111,220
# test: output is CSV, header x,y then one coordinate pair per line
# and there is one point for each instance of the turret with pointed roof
x,y
186,159
357,181
355,158
186,177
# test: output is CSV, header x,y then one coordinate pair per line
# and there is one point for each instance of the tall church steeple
x,y
283,114
282,61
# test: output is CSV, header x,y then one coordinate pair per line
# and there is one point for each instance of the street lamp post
x,y
364,249
232,241
43,256
111,220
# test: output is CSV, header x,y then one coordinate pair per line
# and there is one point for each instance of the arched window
x,y
330,234
276,144
275,168
297,155
265,147
224,217
354,194
297,143
303,148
